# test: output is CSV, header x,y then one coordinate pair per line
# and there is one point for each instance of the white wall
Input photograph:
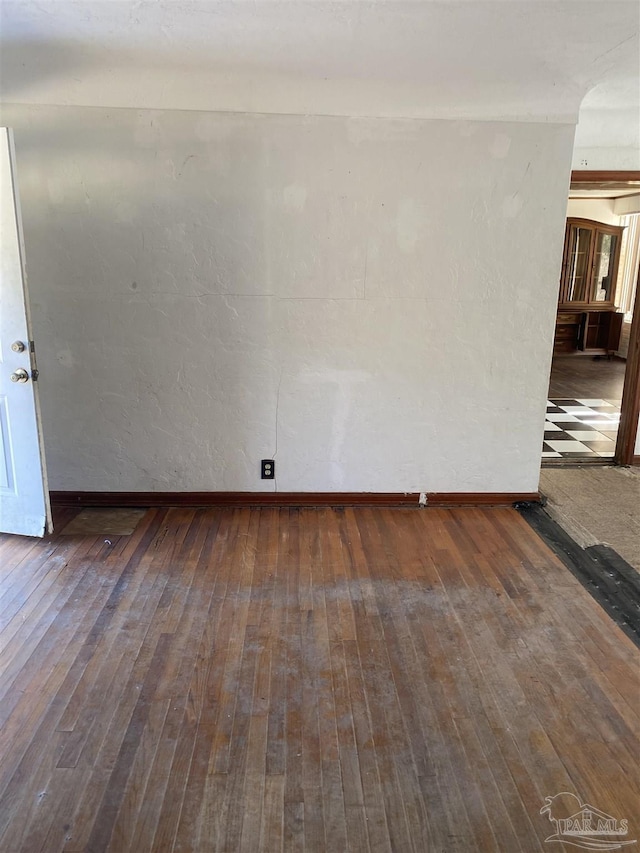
x,y
372,299
608,139
627,205
608,131
598,209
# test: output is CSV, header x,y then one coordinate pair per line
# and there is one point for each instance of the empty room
x,y
279,297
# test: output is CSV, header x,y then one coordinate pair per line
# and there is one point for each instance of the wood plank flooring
x,y
306,680
576,377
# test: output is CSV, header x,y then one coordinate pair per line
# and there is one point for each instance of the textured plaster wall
x,y
372,302
608,138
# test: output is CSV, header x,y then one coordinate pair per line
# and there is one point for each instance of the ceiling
x,y
604,193
525,59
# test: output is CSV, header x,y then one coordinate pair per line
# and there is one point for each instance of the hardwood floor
x,y
576,377
306,680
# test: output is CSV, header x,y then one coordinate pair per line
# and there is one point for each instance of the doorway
x,y
587,398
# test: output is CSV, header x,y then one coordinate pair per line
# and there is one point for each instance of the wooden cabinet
x,y
596,332
600,331
589,265
587,320
568,328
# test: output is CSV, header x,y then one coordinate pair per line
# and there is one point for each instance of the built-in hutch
x,y
587,319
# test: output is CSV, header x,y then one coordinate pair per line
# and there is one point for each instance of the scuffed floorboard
x,y
307,680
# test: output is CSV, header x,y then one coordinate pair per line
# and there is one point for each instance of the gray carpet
x,y
597,506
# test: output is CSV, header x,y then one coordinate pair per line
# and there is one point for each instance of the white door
x,y
24,497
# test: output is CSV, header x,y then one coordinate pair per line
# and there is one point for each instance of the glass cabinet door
x,y
578,264
606,247
590,264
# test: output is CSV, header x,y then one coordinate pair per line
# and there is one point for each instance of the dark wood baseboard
x,y
635,460
481,498
229,499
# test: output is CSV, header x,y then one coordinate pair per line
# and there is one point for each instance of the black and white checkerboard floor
x,y
580,429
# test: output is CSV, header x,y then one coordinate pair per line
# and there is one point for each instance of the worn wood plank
x,y
299,679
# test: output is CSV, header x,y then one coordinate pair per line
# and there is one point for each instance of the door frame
x,y
630,404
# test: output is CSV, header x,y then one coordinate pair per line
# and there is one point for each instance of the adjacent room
x,y
598,286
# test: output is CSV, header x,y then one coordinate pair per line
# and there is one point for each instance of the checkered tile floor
x,y
580,429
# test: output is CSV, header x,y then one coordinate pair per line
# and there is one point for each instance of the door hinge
x,y
34,369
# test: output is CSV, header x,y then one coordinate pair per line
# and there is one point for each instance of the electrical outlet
x,y
268,469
